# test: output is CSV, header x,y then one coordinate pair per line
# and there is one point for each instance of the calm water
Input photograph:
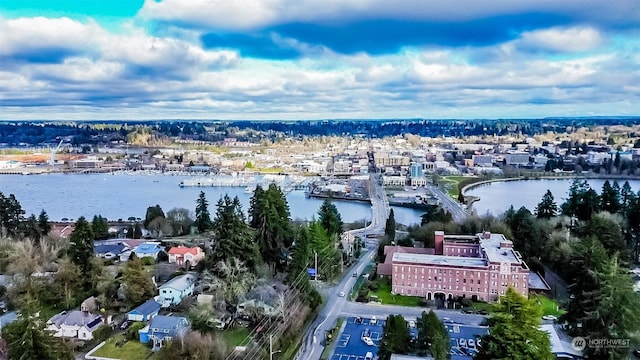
x,y
123,196
496,197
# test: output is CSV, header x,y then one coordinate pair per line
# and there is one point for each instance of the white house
x,y
173,291
74,324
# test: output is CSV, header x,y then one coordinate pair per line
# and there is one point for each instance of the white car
x,y
549,317
368,341
341,294
412,324
471,343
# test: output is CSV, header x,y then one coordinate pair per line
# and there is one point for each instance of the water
x,y
496,197
123,196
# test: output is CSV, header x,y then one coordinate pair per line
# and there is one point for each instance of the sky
x,y
312,59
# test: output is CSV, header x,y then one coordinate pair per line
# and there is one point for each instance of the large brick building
x,y
478,267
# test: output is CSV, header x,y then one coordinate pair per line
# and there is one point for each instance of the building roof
x,y
148,248
180,283
76,318
536,282
174,324
109,248
182,250
496,253
390,250
439,260
147,308
558,346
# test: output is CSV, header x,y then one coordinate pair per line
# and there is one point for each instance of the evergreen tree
x,y
233,237
137,283
137,231
27,339
582,202
270,217
100,227
395,337
43,223
609,198
153,212
626,197
203,218
81,245
31,229
390,226
330,218
432,336
514,332
547,208
11,215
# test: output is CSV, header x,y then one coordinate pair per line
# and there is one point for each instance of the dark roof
x,y
536,282
109,248
74,317
173,324
148,307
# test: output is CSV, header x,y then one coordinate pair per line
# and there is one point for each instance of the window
x,y
464,281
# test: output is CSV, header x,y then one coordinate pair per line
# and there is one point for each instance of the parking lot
x,y
351,344
464,340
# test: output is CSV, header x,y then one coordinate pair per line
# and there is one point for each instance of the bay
x,y
496,197
121,196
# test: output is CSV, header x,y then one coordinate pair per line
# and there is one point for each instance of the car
x,y
549,317
341,294
374,320
366,333
447,320
125,324
368,341
483,312
412,324
462,342
471,343
355,274
368,356
468,311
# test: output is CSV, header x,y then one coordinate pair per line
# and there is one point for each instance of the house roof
x,y
180,283
171,323
109,248
148,248
76,318
182,250
147,308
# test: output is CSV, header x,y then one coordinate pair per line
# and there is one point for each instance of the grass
x,y
549,306
384,295
235,336
452,184
131,350
479,306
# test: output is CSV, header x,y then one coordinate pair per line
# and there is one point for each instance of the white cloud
x,y
574,39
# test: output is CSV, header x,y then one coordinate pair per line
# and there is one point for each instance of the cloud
x,y
560,40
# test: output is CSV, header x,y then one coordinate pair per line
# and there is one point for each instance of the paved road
x,y
453,207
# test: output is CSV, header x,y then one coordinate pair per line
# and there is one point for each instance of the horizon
x,y
157,60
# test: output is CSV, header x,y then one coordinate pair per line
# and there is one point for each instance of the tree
x,y
68,277
395,337
609,198
203,218
27,339
582,201
137,283
11,215
547,208
180,220
330,218
100,227
270,217
514,332
233,237
137,231
81,245
432,336
153,212
43,223
390,226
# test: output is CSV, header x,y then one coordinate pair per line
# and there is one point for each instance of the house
x,y
163,328
109,251
89,305
183,255
252,305
144,312
74,324
151,249
173,291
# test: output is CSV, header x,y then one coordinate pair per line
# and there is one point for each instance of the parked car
x,y
549,317
468,311
471,343
412,324
483,312
125,324
374,320
447,320
368,356
462,342
368,341
341,294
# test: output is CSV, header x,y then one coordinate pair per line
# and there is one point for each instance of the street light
x,y
271,352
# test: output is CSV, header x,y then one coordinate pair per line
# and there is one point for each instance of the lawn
x,y
131,350
235,336
384,295
452,184
549,306
479,306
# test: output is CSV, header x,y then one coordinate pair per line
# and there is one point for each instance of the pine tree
x,y
233,237
395,337
81,245
390,226
330,218
203,218
547,208
43,223
609,198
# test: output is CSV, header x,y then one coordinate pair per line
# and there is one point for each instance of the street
x,y
449,205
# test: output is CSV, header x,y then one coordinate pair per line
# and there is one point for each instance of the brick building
x,y
479,267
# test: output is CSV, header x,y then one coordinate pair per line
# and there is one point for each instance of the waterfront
x,y
496,197
122,196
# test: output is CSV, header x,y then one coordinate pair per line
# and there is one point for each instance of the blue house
x,y
151,249
163,328
144,312
109,251
173,291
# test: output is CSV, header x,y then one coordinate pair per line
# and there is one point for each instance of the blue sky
x,y
312,59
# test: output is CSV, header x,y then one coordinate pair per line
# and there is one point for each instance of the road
x,y
448,204
337,306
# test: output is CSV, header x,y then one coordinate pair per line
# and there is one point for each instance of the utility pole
x,y
316,263
271,352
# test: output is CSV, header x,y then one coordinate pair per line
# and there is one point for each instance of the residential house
x,y
109,251
183,255
163,328
74,324
173,291
146,249
144,312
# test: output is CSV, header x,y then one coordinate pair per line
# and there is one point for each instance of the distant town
x,y
220,282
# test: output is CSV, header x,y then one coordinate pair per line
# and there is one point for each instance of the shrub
x,y
102,333
466,302
148,260
374,286
132,332
163,256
